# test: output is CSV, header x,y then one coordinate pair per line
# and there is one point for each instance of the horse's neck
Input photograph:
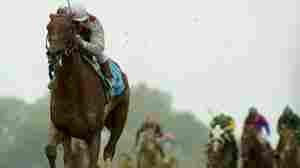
x,y
229,149
258,147
71,64
298,155
229,145
262,154
70,74
294,145
150,142
250,146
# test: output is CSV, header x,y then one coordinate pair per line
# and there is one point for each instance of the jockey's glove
x,y
80,40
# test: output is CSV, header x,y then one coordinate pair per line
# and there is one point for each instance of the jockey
x,y
90,36
226,123
149,123
259,122
289,119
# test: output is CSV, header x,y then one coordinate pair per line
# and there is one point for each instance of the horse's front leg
x,y
80,154
54,138
68,153
93,145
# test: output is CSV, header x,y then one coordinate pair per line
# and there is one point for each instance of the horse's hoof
x,y
50,151
108,163
50,85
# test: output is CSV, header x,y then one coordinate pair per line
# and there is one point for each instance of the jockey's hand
x,y
79,40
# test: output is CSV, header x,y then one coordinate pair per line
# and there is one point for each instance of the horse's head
x,y
254,151
286,127
288,139
148,140
149,151
249,142
61,31
288,150
216,137
218,146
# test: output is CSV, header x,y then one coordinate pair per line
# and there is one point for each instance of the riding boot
x,y
107,72
106,69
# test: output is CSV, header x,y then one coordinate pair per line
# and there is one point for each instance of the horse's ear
x,y
51,16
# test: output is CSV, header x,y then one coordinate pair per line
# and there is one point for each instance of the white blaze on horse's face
x,y
55,41
216,138
56,32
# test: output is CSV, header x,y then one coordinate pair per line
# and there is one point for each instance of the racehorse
x,y
222,151
254,153
288,149
78,105
150,154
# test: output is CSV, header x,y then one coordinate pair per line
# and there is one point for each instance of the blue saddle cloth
x,y
118,85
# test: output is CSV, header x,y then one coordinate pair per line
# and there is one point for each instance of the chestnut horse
x,y
288,149
255,154
222,151
78,103
150,153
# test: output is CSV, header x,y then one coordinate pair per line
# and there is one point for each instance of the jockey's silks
x,y
260,123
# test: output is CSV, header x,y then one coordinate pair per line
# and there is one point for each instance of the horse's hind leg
x,y
54,138
115,122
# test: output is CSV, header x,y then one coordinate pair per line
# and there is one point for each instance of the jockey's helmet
x,y
253,110
288,110
79,12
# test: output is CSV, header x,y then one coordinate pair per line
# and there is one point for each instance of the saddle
x,y
117,87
